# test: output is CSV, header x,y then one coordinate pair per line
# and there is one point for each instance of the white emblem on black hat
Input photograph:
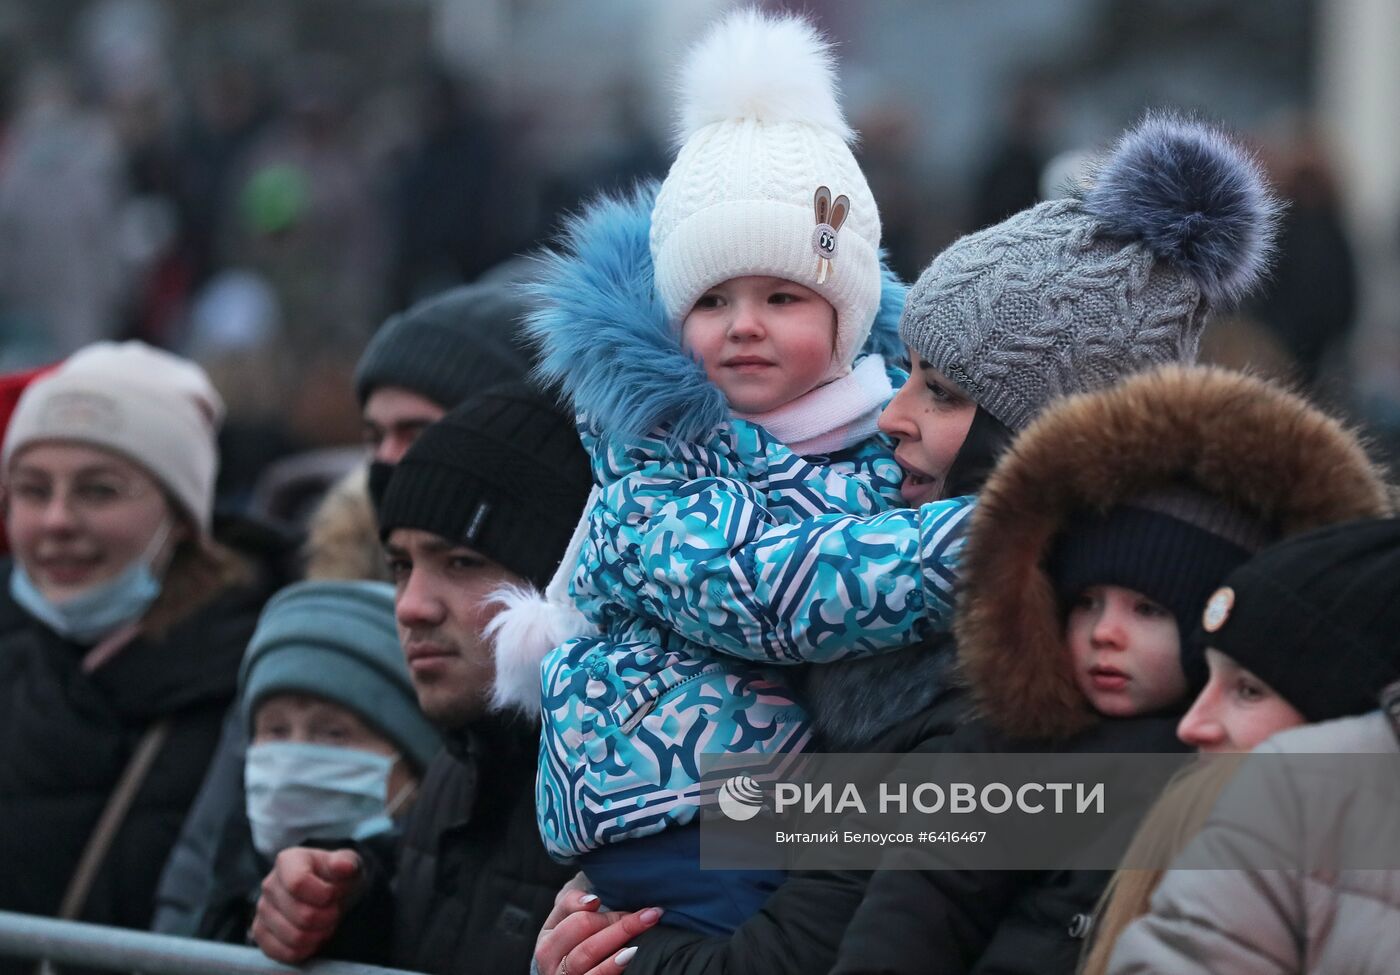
x,y
1218,609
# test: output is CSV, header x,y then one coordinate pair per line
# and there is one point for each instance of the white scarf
x,y
832,417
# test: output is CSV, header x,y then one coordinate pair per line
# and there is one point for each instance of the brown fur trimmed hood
x,y
1240,438
343,536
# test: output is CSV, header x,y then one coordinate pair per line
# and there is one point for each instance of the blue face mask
x,y
94,613
299,791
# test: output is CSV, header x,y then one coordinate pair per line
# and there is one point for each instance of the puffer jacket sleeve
x,y
1213,922
741,546
1227,921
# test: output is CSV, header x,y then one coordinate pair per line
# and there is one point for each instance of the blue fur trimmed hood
x,y
604,336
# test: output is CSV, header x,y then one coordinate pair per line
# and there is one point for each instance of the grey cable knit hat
x,y
1073,294
452,345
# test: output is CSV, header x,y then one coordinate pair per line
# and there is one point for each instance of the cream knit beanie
x,y
765,183
151,406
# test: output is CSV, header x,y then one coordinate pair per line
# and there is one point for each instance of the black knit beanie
x,y
503,473
1316,617
449,346
1174,546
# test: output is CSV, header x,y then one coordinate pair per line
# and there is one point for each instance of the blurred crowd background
x,y
258,183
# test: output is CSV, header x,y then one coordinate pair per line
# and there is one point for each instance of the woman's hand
x,y
573,896
578,939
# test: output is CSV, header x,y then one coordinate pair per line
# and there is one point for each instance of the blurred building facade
x,y
342,158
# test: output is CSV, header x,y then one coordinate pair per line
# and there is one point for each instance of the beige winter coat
x,y
343,535
1319,921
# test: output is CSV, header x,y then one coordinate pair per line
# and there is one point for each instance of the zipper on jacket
x,y
636,717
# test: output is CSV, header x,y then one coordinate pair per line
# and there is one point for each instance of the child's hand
x,y
303,900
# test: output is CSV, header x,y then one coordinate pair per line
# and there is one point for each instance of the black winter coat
x,y
473,884
230,902
989,921
800,927
66,737
819,919
233,887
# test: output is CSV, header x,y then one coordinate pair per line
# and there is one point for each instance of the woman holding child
x,y
1067,296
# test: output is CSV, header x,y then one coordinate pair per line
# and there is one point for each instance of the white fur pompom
x,y
752,65
522,634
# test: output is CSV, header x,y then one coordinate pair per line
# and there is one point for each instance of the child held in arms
x,y
722,340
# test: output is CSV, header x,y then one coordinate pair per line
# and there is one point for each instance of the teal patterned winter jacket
x,y
715,555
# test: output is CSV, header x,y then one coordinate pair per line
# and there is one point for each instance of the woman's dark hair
x,y
987,439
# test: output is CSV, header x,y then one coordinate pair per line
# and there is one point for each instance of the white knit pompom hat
x,y
154,407
762,141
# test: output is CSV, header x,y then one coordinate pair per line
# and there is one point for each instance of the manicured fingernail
x,y
624,956
651,915
588,898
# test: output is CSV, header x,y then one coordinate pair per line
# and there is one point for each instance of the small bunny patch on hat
x,y
831,214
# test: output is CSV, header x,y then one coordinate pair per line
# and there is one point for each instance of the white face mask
x,y
299,791
89,616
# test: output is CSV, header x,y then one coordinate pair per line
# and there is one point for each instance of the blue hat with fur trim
x,y
338,641
1073,294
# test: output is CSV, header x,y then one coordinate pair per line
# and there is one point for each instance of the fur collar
x,y
526,627
342,536
605,338
857,703
1245,440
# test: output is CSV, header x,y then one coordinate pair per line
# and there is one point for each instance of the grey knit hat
x,y
449,346
1073,294
338,641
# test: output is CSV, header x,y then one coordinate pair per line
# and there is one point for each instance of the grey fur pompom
x,y
1194,197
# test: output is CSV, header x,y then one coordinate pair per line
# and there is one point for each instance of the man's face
x,y
393,419
440,601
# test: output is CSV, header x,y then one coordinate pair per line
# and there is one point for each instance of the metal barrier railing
x,y
125,950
